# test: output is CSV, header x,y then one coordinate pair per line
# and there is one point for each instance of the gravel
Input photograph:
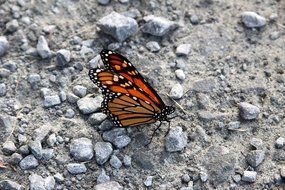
x,y
256,143
58,177
49,183
249,176
118,26
115,162
248,111
180,74
3,89
12,26
176,140
96,118
34,78
70,113
15,159
253,20
10,185
103,2
108,185
42,48
36,182
255,157
79,90
62,57
36,149
51,140
117,137
47,154
205,85
4,45
29,162
76,168
41,133
148,181
279,143
183,49
81,149
9,147
127,161
176,91
103,177
157,26
89,105
152,46
103,151
50,101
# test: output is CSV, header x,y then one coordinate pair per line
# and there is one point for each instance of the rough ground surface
x,y
228,64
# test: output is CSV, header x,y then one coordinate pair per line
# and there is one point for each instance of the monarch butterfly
x,y
128,99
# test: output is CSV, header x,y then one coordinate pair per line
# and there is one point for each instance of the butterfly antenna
x,y
178,105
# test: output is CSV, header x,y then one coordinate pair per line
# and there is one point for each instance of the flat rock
x,y
115,162
183,49
96,118
252,20
117,137
255,157
37,182
89,105
248,111
81,149
249,176
176,140
29,162
112,185
118,26
158,26
50,101
10,185
75,168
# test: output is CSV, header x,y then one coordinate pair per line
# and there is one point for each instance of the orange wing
x,y
122,66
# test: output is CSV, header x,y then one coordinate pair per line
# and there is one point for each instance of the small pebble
x,y
255,157
36,148
180,74
4,45
203,176
111,185
89,105
249,176
50,101
237,178
81,149
34,78
70,113
103,177
176,91
106,125
75,168
233,125
9,147
103,151
72,98
79,90
10,185
248,111
176,140
4,73
194,19
45,92
148,181
253,20
47,154
49,183
274,35
62,57
185,178
256,143
12,25
36,182
115,162
183,49
117,137
279,143
42,48
103,2
153,46
97,118
59,177
29,162
3,89
127,161
15,158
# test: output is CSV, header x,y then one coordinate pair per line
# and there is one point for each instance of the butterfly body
x,y
128,99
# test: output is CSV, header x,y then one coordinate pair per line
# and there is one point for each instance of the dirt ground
x,y
229,63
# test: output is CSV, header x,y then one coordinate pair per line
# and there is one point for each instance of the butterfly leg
x,y
167,129
154,133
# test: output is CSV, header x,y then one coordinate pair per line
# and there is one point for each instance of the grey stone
x,y
194,19
49,183
127,161
103,151
50,101
9,147
118,26
89,105
248,111
36,182
117,137
115,162
176,140
22,139
158,26
108,186
256,143
143,160
133,13
176,91
6,123
72,98
203,176
4,45
253,20
274,35
58,178
42,48
62,57
282,172
29,162
51,140
255,157
41,132
12,25
24,150
11,66
79,90
148,181
4,73
45,92
103,2
36,148
81,149
34,78
103,177
3,89
96,118
75,168
10,185
237,178
153,46
186,178
106,125
47,154
249,176
180,74
233,125
205,85
220,164
62,96
70,113
15,158
183,49
279,143
95,62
